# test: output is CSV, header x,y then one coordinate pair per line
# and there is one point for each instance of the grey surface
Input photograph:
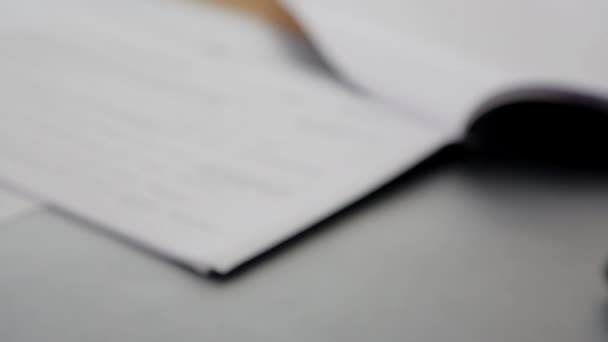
x,y
463,254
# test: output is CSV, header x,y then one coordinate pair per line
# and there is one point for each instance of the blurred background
x,y
500,237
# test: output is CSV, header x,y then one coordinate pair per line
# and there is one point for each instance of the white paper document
x,y
447,59
195,133
13,205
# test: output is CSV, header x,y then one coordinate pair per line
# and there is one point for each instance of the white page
x,y
191,131
446,58
13,205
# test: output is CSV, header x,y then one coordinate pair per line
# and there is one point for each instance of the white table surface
x,y
463,253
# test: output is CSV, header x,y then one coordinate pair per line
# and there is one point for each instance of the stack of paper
x,y
197,133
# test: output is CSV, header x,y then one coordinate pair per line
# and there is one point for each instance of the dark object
x,y
550,128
